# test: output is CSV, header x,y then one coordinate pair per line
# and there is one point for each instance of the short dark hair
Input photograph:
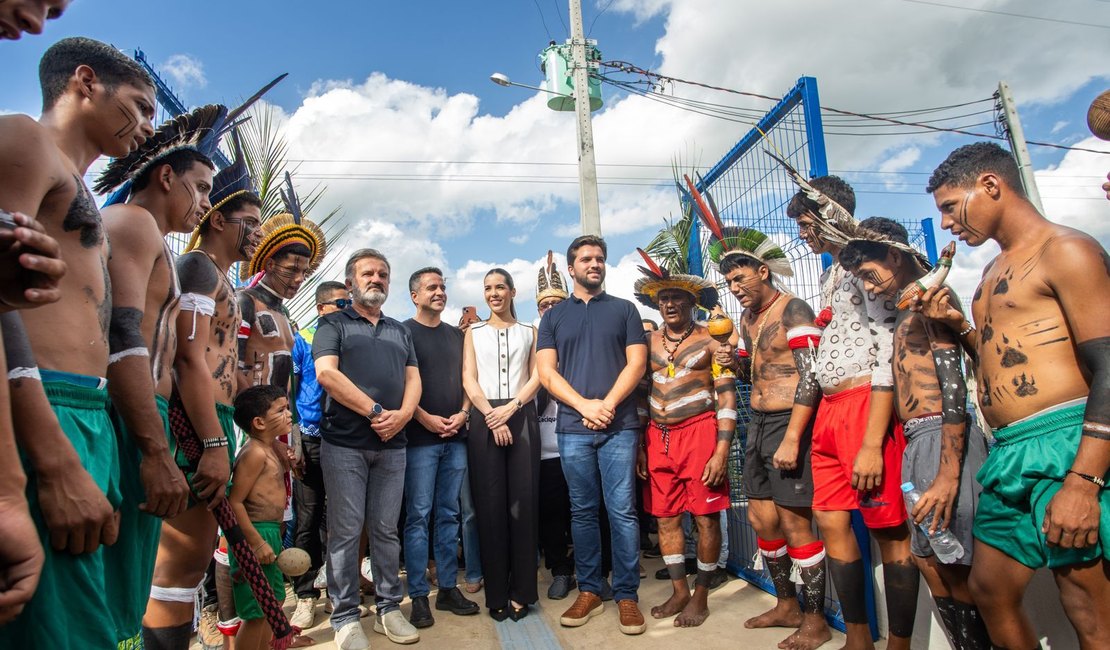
x,y
859,251
963,167
361,254
180,161
296,248
324,289
834,187
237,202
585,240
254,402
112,67
414,279
730,263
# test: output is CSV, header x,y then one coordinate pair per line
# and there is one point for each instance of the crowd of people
x,y
165,433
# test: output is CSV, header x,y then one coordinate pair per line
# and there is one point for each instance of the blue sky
x,y
374,81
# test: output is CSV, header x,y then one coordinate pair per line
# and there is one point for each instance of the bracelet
x,y
726,414
212,443
970,328
519,404
1090,479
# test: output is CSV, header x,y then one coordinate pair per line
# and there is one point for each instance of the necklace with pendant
x,y
678,344
762,321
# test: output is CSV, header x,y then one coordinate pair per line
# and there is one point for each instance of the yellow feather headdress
x,y
284,229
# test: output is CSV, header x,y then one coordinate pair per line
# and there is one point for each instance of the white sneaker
x,y
367,571
395,626
305,614
351,637
321,581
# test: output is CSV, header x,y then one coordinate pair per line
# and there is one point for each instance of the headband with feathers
x,y
835,224
232,181
658,279
284,229
199,129
731,240
550,283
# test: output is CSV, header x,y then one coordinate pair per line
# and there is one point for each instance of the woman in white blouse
x,y
499,376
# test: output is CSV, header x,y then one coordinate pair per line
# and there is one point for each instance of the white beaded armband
x,y
726,414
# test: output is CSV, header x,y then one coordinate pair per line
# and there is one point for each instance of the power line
x,y
537,2
1012,15
591,29
558,13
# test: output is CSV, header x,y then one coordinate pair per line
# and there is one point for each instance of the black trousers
x,y
504,482
555,539
308,502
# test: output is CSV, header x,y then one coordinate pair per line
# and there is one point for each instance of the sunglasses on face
x,y
341,303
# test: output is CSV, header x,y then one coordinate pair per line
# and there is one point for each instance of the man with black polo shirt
x,y
436,452
591,356
367,364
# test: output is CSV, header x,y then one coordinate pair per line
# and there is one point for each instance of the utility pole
x,y
587,167
1016,136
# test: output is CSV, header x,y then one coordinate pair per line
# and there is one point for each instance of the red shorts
x,y
837,436
676,459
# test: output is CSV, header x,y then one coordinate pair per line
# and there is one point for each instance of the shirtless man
x,y
96,101
169,193
1042,351
776,351
204,387
684,454
944,449
856,453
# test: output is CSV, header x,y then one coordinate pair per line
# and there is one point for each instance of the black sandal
x,y
499,614
518,613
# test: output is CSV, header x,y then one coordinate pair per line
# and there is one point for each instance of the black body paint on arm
x,y
197,273
808,392
246,311
1095,355
125,332
953,389
17,347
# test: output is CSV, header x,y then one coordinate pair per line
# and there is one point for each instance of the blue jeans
x,y
364,491
433,477
471,552
597,464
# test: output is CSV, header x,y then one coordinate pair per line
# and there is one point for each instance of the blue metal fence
x,y
751,190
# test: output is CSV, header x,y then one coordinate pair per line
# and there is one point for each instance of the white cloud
x,y
185,70
1059,126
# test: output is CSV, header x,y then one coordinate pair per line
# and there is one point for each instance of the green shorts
x,y
245,605
72,608
1024,470
130,561
224,413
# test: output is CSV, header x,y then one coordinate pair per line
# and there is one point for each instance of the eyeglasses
x,y
341,303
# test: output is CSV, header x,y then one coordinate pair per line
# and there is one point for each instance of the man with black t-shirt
x,y
436,452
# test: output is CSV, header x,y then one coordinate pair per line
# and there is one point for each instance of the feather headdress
x,y
199,129
284,229
835,224
232,181
550,283
658,279
731,240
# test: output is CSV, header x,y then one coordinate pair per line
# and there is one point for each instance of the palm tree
x,y
266,151
670,247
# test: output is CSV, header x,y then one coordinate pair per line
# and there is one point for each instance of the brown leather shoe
x,y
585,607
632,621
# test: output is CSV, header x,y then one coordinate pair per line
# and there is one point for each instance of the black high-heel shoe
x,y
499,614
518,613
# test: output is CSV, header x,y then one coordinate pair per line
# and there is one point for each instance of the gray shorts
x,y
792,488
920,464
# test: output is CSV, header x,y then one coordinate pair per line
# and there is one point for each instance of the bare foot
x,y
673,605
693,615
784,614
813,634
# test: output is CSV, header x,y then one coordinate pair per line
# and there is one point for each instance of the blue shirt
x,y
590,340
374,358
309,392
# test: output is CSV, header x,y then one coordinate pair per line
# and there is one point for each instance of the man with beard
x,y
203,391
96,101
684,455
366,363
776,347
591,356
436,452
1042,353
168,179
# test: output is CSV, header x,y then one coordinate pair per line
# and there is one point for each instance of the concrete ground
x,y
730,605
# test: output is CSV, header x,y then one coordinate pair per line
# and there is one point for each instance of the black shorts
x,y
792,488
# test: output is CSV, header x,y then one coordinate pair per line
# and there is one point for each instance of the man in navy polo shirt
x,y
591,356
366,362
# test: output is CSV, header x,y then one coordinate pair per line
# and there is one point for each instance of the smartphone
x,y
469,316
7,221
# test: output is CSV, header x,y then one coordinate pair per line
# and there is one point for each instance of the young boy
x,y
942,452
258,500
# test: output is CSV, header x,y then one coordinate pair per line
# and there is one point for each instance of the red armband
x,y
803,337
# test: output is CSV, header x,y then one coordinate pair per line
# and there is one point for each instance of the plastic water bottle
x,y
947,548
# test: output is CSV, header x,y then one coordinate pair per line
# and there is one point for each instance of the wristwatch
x,y
374,412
